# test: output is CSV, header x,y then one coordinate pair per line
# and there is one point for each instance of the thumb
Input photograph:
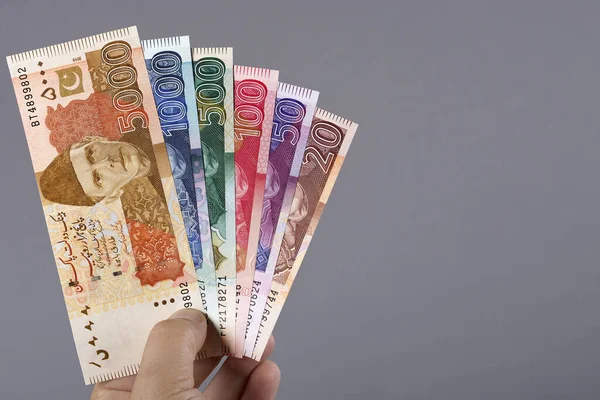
x,y
167,367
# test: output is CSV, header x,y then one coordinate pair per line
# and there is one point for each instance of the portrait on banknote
x,y
96,165
298,211
93,170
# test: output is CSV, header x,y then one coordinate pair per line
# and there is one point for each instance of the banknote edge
x,y
127,370
288,89
331,117
166,42
211,51
74,45
255,72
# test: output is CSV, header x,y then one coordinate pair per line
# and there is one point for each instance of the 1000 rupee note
x,y
169,64
294,110
255,91
213,76
108,195
328,143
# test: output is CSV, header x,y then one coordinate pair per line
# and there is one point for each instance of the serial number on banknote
x,y
185,293
268,305
221,298
28,96
255,289
202,287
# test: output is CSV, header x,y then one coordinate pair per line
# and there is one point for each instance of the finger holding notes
x,y
170,370
246,378
167,367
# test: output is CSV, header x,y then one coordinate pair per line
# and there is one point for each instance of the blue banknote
x,y
169,65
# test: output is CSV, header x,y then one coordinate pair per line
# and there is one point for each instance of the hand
x,y
168,370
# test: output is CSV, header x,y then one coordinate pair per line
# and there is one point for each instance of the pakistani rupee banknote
x,y
169,64
108,195
328,143
294,110
255,91
213,76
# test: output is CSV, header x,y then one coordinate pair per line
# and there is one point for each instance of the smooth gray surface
x,y
458,255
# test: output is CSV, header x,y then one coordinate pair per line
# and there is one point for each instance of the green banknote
x,y
213,76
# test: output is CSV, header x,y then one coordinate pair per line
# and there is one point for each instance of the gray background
x,y
458,256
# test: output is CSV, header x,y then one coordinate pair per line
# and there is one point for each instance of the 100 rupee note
x,y
255,91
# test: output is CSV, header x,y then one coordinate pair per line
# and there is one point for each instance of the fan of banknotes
x,y
172,178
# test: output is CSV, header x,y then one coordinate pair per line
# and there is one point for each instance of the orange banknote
x,y
108,195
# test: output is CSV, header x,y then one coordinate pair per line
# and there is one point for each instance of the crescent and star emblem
x,y
70,81
75,85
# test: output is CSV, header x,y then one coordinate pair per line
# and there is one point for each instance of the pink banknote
x,y
254,101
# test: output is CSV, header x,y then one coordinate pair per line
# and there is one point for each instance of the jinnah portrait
x,y
96,163
93,170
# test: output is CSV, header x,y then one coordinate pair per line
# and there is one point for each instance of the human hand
x,y
168,370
